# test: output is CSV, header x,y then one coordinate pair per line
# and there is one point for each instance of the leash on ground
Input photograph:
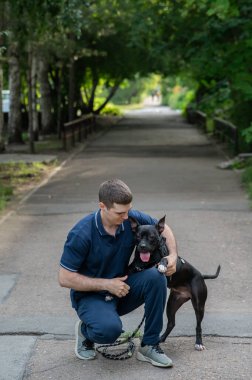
x,y
125,354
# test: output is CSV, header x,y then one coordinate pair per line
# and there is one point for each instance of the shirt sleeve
x,y
142,218
75,252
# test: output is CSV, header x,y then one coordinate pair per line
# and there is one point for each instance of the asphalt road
x,y
172,169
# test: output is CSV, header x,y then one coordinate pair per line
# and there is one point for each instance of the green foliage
x,y
241,113
247,134
215,98
129,93
111,109
135,90
211,41
176,94
247,179
222,9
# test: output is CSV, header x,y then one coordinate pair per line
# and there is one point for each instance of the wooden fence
x,y
226,132
77,130
223,130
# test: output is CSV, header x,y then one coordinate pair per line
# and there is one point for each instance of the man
x,y
93,265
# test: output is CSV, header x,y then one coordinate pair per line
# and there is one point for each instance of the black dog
x,y
187,283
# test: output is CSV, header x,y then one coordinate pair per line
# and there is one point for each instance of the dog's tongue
x,y
145,256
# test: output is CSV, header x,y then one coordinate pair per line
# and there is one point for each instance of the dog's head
x,y
148,240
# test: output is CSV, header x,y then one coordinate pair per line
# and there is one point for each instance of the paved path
x,y
172,169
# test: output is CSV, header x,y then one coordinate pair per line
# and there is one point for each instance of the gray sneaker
x,y
84,349
154,355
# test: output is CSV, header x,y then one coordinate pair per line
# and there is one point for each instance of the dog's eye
x,y
152,237
138,236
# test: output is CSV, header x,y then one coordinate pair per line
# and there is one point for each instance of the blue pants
x,y
102,323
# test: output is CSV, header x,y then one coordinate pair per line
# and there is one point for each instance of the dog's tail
x,y
207,276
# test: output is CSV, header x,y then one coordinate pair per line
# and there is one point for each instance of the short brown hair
x,y
114,191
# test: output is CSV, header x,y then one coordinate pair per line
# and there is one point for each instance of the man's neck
x,y
109,228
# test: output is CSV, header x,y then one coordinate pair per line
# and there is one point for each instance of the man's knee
x,y
154,278
106,332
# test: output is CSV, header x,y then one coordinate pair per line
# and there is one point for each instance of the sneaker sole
x,y
143,358
77,330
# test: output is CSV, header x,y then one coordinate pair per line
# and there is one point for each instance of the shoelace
x,y
158,349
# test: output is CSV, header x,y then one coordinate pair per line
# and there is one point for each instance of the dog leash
x,y
125,354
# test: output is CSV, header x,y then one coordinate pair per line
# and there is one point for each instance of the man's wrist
x,y
173,256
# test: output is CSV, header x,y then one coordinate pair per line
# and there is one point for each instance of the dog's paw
x,y
162,268
199,347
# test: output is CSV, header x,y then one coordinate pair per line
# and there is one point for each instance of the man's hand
x,y
77,281
171,268
118,287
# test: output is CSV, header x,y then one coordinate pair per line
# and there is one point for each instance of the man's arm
x,y
172,246
79,282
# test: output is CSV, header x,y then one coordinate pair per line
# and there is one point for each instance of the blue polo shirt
x,y
91,251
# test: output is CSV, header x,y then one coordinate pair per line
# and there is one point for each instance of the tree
x,y
83,48
15,118
2,60
2,146
209,41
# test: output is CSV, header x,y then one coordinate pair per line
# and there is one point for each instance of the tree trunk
x,y
111,94
30,98
59,100
2,145
15,117
71,91
34,98
46,98
92,96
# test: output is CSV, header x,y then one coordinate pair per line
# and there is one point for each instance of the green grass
x,y
15,177
49,144
6,193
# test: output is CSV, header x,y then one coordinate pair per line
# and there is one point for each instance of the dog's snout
x,y
142,245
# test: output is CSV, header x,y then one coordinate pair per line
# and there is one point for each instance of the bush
x,y
247,134
176,93
112,110
247,180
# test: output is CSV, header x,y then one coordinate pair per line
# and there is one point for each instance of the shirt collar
x,y
101,229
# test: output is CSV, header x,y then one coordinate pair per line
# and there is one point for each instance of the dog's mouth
x,y
145,256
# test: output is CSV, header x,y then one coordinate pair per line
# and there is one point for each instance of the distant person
x,y
93,264
155,96
153,93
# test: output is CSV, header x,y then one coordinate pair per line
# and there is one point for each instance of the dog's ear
x,y
160,225
134,223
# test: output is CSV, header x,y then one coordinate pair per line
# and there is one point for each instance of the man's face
x,y
116,214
